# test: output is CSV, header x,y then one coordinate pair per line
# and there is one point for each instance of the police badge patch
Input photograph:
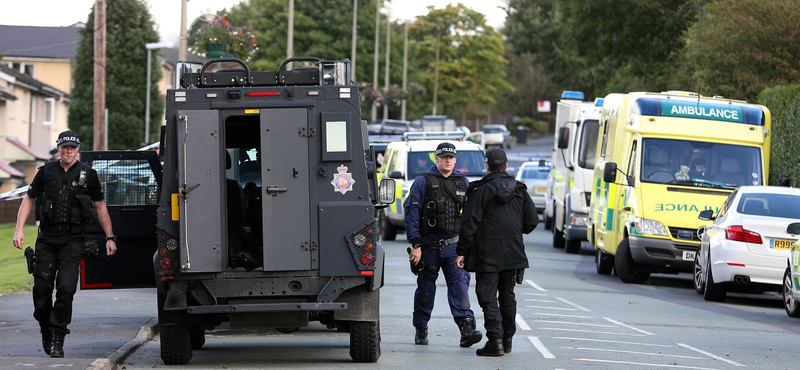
x,y
342,181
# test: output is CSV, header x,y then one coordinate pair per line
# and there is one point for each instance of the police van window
x,y
127,182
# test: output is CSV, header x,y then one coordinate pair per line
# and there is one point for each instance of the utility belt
x,y
60,228
441,243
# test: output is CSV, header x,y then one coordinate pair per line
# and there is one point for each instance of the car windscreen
x,y
534,173
491,130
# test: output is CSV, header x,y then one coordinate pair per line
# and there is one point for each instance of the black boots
x,y
57,345
506,345
421,337
469,335
47,336
493,347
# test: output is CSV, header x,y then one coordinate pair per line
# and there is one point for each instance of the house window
x,y
26,68
49,111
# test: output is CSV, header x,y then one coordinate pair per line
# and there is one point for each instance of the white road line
x,y
535,286
628,326
645,364
593,332
521,322
538,300
636,352
559,315
540,346
574,305
553,308
613,341
709,354
575,323
536,294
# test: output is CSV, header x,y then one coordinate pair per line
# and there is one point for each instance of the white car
x,y
747,245
534,176
497,135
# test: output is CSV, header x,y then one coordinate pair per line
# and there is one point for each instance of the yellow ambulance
x,y
661,159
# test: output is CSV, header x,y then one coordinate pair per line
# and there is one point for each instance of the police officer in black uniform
x,y
66,195
432,220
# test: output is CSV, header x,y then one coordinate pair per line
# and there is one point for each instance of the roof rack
x,y
435,135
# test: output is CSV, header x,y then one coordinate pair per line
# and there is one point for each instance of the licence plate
x,y
782,244
688,256
541,190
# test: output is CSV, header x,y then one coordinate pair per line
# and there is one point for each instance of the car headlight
x,y
651,227
582,220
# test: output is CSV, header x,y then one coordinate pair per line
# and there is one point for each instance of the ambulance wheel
x,y
626,267
388,231
365,341
699,277
604,263
176,344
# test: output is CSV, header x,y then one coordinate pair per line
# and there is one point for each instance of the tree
x,y
739,47
129,26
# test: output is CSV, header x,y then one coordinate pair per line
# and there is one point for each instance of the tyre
x,y
388,231
558,238
198,336
365,341
548,222
176,344
790,304
714,292
699,277
572,246
626,267
604,262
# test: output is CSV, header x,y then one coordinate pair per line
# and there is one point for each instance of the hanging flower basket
x,y
215,50
218,38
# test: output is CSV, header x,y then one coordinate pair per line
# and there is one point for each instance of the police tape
x,y
14,194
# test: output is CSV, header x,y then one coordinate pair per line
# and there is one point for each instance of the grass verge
x,y
14,275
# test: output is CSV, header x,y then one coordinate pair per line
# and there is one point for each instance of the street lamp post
x,y
150,47
353,42
436,65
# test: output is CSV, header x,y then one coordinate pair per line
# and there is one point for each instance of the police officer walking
x,y
432,220
497,212
66,195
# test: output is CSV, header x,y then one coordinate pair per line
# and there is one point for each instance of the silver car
x,y
534,175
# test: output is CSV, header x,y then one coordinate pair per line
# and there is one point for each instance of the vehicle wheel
x,y
714,292
176,344
198,336
699,277
626,267
572,246
548,222
790,304
604,262
388,231
365,341
558,238
287,330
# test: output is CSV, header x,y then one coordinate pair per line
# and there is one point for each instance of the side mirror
x,y
793,228
386,192
563,137
395,174
610,172
708,215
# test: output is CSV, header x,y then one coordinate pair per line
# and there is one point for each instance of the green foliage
x,y
129,26
782,102
14,275
241,42
739,47
531,123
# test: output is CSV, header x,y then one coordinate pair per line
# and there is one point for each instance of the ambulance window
x,y
632,160
603,147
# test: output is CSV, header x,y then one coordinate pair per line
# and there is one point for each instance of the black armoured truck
x,y
263,215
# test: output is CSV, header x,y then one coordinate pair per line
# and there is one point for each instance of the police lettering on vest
x,y
65,199
441,208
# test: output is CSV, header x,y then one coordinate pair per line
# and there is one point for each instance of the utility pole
x,y
386,68
353,43
99,132
405,74
290,39
184,49
374,115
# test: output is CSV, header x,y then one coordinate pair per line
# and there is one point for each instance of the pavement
x,y
107,326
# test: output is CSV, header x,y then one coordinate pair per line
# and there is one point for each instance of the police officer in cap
x,y
432,221
66,195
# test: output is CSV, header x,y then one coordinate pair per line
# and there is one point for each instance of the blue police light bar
x,y
598,102
572,95
435,135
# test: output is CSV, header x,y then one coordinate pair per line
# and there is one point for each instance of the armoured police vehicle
x,y
263,215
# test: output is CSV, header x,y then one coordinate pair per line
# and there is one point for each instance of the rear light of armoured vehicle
x,y
740,234
167,255
262,93
362,244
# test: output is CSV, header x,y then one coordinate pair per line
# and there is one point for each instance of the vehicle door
x,y
131,183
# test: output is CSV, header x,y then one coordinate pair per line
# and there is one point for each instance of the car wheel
x,y
604,262
626,267
388,231
699,277
558,238
790,303
714,292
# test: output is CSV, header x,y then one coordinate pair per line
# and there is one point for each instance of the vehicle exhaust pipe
x,y
741,279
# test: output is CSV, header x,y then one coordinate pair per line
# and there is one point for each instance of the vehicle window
x,y
535,173
604,146
420,162
588,147
724,209
770,205
492,129
631,170
471,163
127,182
392,159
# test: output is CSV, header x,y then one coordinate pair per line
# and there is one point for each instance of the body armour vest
x,y
65,197
441,208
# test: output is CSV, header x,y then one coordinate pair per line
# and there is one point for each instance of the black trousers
x,y
58,258
495,292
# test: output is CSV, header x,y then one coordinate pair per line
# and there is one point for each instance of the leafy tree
x,y
782,102
739,47
129,26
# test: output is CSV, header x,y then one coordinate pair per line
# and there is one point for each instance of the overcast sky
x,y
167,13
